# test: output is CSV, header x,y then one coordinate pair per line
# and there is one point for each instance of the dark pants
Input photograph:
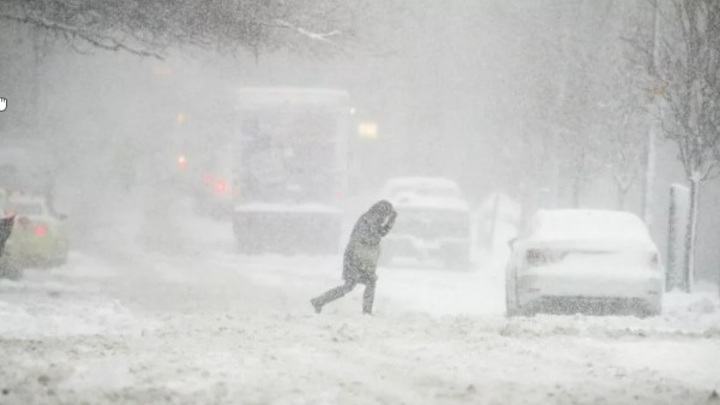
x,y
350,283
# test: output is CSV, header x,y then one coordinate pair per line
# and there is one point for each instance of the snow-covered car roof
x,y
601,228
424,192
418,182
430,203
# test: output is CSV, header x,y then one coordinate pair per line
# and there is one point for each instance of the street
x,y
187,321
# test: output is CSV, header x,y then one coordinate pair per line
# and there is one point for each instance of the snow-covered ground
x,y
177,317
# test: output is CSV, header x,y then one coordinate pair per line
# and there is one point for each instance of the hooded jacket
x,y
363,249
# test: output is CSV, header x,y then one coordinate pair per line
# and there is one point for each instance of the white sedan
x,y
584,261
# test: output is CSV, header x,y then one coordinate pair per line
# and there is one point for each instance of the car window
x,y
24,209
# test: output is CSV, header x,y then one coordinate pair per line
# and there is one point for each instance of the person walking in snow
x,y
361,256
6,226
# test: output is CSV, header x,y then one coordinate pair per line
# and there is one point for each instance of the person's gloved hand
x,y
389,222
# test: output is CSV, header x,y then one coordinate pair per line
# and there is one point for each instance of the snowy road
x,y
131,325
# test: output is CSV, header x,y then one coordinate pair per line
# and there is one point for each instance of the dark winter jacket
x,y
363,249
6,225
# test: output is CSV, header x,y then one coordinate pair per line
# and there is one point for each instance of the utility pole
x,y
650,147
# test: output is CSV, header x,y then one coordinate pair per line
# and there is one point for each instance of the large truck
x,y
289,170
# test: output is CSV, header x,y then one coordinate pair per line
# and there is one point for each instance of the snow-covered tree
x,y
625,141
685,64
625,152
584,92
150,27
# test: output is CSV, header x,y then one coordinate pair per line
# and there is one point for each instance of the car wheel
x,y
653,308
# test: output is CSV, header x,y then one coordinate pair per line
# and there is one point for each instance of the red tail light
x,y
220,186
40,230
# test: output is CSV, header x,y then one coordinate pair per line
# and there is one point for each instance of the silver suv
x,y
433,223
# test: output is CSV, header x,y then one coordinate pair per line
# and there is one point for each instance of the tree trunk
x,y
649,176
689,271
622,196
677,231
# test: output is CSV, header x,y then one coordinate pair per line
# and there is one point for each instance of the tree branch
x,y
110,44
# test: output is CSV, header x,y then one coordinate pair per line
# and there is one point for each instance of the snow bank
x,y
45,318
52,303
239,329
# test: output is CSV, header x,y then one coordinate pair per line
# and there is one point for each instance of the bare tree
x,y
580,137
584,102
148,28
626,151
625,141
686,69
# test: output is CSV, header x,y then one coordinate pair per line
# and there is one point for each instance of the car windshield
x,y
288,154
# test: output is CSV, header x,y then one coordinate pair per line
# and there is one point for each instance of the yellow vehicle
x,y
38,236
